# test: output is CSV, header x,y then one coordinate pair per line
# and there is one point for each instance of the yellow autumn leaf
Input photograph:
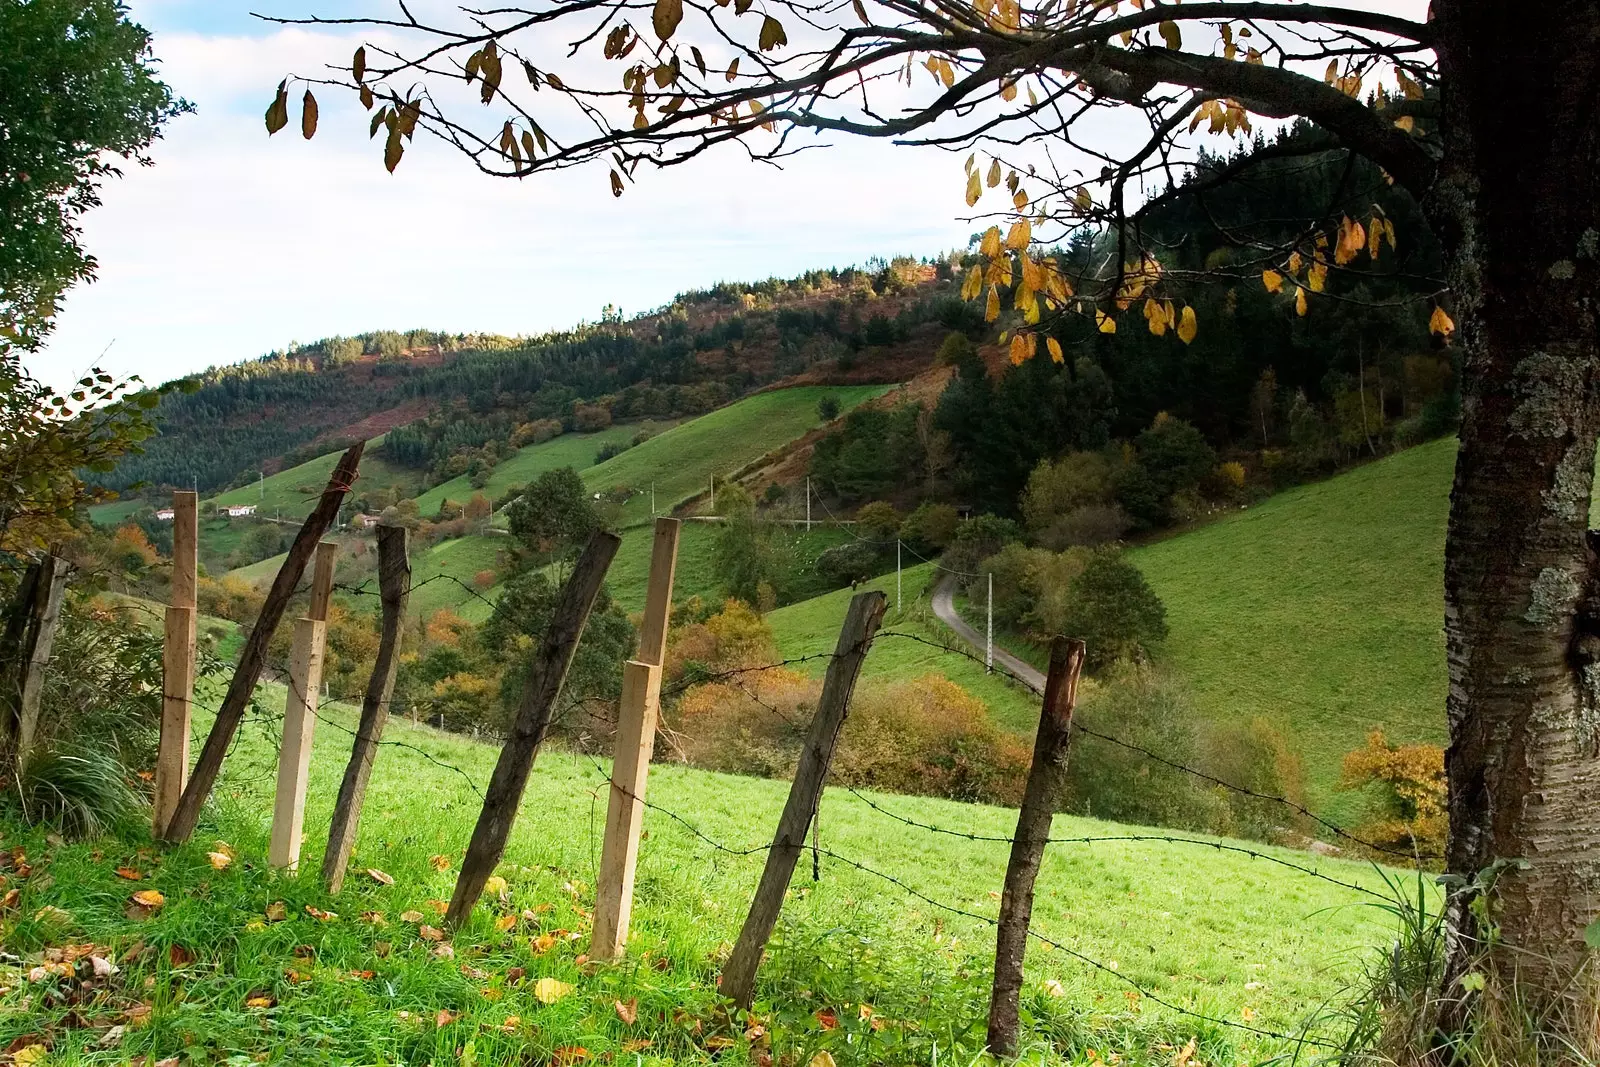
x,y
991,309
1440,323
550,990
972,284
1272,280
1187,326
990,246
149,898
1106,323
1170,35
772,34
31,1055
1055,350
1054,988
1019,350
1020,235
822,1059
219,860
411,916
1019,199
1299,301
505,922
974,188
666,16
994,173
379,876
1317,276
1155,317
496,885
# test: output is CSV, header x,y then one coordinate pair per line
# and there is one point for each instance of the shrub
x,y
590,418
977,539
1076,480
828,408
930,527
1097,524
609,449
733,638
1114,610
535,432
1410,781
926,736
484,579
878,521
848,563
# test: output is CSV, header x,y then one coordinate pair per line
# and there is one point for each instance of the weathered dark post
x,y
1046,779
254,657
548,672
855,638
394,588
39,642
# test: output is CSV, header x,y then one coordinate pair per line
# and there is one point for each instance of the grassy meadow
x,y
294,492
576,450
1319,609
243,964
681,461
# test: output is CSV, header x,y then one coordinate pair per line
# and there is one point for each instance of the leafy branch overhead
x,y
1013,86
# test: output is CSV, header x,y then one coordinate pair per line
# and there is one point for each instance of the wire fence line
x,y
737,677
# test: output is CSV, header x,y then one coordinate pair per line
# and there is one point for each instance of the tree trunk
x,y
1517,206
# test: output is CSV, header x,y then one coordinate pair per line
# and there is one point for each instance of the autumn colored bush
x,y
484,579
734,638
1411,783
925,736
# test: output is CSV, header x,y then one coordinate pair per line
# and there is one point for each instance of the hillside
x,y
576,450
681,462
1320,609
860,966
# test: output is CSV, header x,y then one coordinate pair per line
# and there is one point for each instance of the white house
x,y
164,515
239,511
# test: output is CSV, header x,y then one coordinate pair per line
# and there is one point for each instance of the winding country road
x,y
944,606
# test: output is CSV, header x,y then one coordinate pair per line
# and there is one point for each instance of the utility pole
x,y
897,576
808,503
988,640
652,500
713,493
261,482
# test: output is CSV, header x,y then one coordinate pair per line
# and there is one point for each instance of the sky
x,y
235,244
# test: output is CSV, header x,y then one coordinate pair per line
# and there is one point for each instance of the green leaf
x,y
278,110
1591,934
772,34
666,16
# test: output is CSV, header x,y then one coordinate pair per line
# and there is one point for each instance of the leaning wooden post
x,y
1046,783
177,661
394,588
855,638
300,716
545,676
40,641
635,740
254,656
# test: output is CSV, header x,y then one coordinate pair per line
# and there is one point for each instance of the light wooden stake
x,y
300,717
635,740
177,662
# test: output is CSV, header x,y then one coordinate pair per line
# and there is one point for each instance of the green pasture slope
x,y
681,461
576,450
294,492
1320,609
1234,938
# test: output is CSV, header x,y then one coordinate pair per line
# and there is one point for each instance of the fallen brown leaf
x,y
627,1010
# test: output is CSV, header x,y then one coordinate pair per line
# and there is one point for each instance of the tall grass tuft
x,y
82,795
1405,1014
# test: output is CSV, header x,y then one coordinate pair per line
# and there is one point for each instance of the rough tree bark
x,y
1517,206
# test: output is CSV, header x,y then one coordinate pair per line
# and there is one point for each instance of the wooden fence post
x,y
545,676
634,742
1046,781
855,638
254,656
36,650
300,717
177,661
394,587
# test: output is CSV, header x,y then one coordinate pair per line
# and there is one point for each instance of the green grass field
x,y
575,450
219,973
294,492
1320,609
681,461
462,558
113,512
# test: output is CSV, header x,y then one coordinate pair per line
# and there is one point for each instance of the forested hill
x,y
457,394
